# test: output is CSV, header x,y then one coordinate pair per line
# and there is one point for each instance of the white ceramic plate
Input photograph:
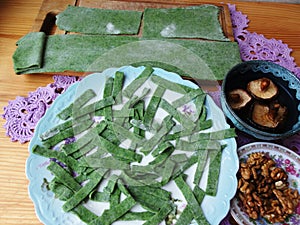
x,y
49,209
284,158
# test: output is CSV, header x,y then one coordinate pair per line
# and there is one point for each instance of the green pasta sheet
x,y
99,21
189,22
29,54
206,60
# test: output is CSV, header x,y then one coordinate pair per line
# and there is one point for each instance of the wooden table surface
x,y
279,21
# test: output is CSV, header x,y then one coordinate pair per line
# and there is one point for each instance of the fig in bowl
x,y
262,99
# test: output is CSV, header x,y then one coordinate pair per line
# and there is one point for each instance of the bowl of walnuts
x,y
262,99
268,185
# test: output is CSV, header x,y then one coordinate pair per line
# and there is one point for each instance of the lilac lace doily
x,y
23,113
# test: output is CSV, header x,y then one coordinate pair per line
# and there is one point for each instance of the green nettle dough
x,y
206,60
29,54
191,22
99,21
188,41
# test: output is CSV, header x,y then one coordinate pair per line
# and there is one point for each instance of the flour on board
x,y
110,28
168,31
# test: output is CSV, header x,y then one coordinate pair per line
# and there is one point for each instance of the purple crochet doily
x,y
23,113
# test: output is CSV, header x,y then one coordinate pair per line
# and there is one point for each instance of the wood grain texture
x,y
280,21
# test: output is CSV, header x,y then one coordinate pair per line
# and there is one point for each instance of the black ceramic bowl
x,y
289,95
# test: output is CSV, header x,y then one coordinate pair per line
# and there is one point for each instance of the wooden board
x,y
45,20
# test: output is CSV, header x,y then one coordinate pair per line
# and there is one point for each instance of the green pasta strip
x,y
129,179
186,216
203,124
151,191
138,115
131,216
118,86
115,212
131,103
137,123
191,200
213,172
68,133
205,144
84,214
84,98
105,163
62,126
184,166
80,195
216,135
81,142
125,133
160,215
161,148
70,148
153,106
137,169
123,113
63,176
70,162
199,194
93,107
115,197
147,200
202,157
203,114
183,133
79,102
167,125
122,188
167,171
108,89
182,89
179,158
111,136
60,191
118,152
63,193
92,53
100,196
188,97
181,118
129,90
199,103
163,156
85,149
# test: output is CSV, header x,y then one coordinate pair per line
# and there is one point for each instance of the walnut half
x,y
264,190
